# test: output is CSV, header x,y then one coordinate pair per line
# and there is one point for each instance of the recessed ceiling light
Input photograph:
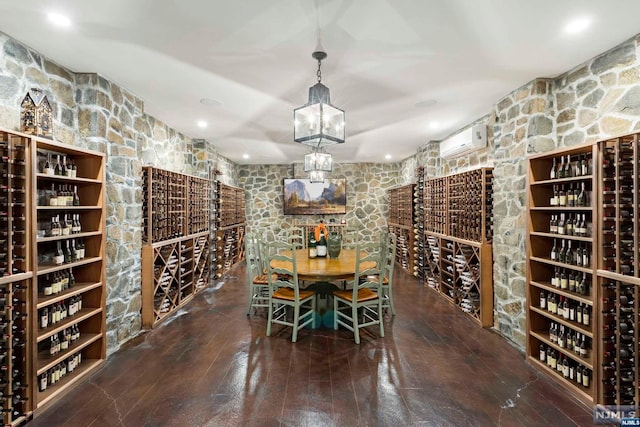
x,y
59,20
577,25
209,102
388,156
202,124
434,125
426,103
245,156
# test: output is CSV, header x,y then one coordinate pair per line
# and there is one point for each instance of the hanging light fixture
x,y
318,160
318,123
316,176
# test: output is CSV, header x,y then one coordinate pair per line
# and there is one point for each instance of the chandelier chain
x,y
319,73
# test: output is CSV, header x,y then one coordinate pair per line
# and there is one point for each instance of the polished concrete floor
x,y
211,365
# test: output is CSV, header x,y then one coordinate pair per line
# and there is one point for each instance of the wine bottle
x,y
53,196
322,245
553,174
47,169
561,224
561,168
63,167
58,257
58,168
554,251
75,199
582,196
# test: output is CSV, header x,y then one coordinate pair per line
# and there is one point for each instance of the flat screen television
x,y
303,197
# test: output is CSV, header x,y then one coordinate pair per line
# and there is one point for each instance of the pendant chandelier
x,y
318,123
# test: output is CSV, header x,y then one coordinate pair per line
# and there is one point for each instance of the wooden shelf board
x,y
43,176
619,277
15,277
68,208
547,286
86,367
69,236
561,236
46,269
563,180
79,288
562,265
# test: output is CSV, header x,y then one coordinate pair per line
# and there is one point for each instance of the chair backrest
x,y
285,274
252,256
390,261
369,259
297,237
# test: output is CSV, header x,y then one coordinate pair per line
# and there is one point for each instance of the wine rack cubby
x,y
562,257
175,256
401,223
229,208
461,272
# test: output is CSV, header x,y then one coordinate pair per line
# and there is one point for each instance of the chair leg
x,y
354,321
250,300
380,318
313,312
296,320
270,318
335,313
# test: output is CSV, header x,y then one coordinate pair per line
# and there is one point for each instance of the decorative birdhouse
x,y
35,114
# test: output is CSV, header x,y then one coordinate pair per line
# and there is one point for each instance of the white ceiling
x,y
385,56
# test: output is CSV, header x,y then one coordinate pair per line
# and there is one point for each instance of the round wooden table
x,y
324,269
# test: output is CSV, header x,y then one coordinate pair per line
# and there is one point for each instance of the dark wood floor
x,y
211,365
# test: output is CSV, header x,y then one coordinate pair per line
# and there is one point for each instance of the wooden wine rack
x,y
15,276
420,265
456,234
560,280
180,268
400,223
83,276
175,263
461,271
618,273
230,220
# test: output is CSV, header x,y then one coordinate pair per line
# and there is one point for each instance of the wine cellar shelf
x,y
230,228
453,233
175,253
401,224
52,270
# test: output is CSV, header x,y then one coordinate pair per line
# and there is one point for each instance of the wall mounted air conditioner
x,y
469,140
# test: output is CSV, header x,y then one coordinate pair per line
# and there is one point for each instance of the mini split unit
x,y
469,140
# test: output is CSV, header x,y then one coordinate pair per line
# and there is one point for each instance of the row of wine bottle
x,y
565,366
55,374
69,225
566,169
571,197
571,281
59,195
570,225
579,256
64,340
60,167
72,251
56,282
567,338
56,313
566,307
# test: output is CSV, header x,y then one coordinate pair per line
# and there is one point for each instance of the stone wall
x,y
91,112
367,200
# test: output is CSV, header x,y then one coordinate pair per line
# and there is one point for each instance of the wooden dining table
x,y
324,269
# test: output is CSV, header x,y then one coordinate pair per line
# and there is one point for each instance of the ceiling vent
x,y
469,140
